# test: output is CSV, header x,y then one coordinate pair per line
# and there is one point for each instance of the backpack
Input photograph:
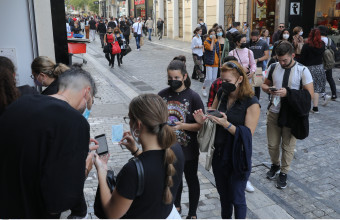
x,y
328,57
204,29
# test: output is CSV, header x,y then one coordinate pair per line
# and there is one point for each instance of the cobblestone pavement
x,y
314,180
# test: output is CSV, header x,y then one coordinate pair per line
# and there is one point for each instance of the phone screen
x,y
103,148
273,89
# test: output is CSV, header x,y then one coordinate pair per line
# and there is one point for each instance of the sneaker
x,y
326,99
281,182
249,187
333,97
315,110
202,80
204,93
274,169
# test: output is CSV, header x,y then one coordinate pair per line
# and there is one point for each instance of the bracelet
x,y
230,124
133,154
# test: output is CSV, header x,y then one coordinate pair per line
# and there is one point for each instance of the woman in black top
x,y
163,166
311,56
182,102
46,73
240,110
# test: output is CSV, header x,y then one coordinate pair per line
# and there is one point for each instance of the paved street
x,y
313,183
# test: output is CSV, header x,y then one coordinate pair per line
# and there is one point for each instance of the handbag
x,y
116,48
126,50
141,41
257,78
111,182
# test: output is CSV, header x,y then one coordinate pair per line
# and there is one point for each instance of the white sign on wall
x,y
295,8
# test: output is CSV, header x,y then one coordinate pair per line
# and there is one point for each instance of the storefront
x,y
263,15
327,12
141,8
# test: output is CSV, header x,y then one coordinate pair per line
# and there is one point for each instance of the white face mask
x,y
301,33
285,36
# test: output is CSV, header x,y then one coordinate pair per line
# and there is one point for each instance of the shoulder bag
x,y
257,78
111,182
135,33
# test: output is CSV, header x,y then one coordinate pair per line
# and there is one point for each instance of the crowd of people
x,y
49,152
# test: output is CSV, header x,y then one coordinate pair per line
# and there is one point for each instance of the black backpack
x,y
204,29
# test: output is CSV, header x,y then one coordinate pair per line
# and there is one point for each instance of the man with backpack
x,y
329,62
204,28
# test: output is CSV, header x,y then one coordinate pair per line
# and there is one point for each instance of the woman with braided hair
x,y
163,164
46,73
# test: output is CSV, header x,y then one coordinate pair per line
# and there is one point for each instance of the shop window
x,y
263,16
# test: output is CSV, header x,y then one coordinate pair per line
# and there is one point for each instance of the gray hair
x,y
76,79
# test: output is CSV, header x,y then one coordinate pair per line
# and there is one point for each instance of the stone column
x,y
194,17
161,9
237,10
176,19
205,11
220,12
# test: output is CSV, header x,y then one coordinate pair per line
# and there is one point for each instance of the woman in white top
x,y
197,54
244,56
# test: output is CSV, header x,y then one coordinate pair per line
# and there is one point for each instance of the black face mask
x,y
175,84
286,66
109,32
228,87
243,45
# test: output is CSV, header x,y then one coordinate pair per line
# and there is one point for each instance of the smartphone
x,y
273,89
215,113
103,148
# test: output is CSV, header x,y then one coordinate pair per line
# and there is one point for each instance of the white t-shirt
x,y
298,73
138,26
325,40
197,41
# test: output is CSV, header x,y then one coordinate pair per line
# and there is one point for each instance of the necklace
x,y
68,101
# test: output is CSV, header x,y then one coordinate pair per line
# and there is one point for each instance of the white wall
x,y
16,33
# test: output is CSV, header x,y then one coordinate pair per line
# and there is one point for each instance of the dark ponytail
x,y
179,65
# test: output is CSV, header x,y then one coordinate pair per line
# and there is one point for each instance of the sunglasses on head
x,y
233,66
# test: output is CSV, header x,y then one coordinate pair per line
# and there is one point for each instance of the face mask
x,y
243,45
286,66
211,36
228,87
175,84
109,32
198,35
285,36
116,32
301,33
36,82
219,34
87,111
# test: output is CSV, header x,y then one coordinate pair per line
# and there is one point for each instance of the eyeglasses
x,y
281,26
233,66
32,77
126,120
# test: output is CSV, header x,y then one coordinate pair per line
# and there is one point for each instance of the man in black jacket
x,y
112,24
286,78
93,29
102,31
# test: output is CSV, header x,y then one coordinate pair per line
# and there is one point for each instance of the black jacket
x,y
311,55
52,89
101,28
111,24
294,112
92,24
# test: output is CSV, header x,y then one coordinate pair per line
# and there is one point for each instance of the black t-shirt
x,y
236,115
111,24
150,204
181,106
27,90
45,142
92,24
258,49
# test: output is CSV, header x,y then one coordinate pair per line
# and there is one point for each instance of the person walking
x,y
197,54
137,31
102,31
265,36
212,58
285,80
149,26
109,39
221,40
160,24
235,99
329,43
47,73
260,49
112,23
297,42
311,56
121,41
277,33
93,29
182,102
126,31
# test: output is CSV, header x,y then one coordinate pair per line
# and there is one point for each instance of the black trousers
x,y
81,208
257,92
110,57
190,173
330,80
127,39
102,39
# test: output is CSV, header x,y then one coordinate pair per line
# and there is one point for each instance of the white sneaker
x,y
204,93
326,99
249,187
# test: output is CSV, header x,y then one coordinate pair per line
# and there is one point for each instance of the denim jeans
x,y
149,31
138,40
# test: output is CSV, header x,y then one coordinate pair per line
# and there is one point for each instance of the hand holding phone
x,y
215,113
273,89
103,147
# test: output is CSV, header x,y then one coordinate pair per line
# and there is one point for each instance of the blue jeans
x,y
138,40
149,30
230,187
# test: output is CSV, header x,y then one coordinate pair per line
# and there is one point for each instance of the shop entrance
x,y
229,13
263,15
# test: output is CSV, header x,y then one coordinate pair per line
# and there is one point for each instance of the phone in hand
x,y
215,113
172,123
103,147
273,89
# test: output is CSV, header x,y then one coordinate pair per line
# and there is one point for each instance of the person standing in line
x,y
182,102
102,31
149,26
109,39
277,33
212,58
197,54
137,28
221,40
329,73
311,56
93,29
233,138
297,42
47,73
286,77
235,27
160,24
204,28
260,49
265,36
246,31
